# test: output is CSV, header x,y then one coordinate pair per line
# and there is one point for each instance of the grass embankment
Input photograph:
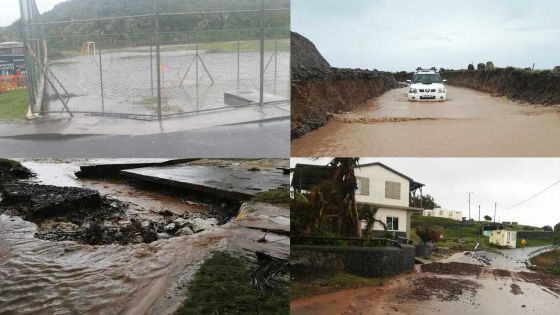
x,y
279,197
458,235
328,283
222,285
548,262
14,104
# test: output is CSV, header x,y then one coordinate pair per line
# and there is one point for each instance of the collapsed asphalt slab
x,y
228,183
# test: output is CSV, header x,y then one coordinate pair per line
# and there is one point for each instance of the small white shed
x,y
504,238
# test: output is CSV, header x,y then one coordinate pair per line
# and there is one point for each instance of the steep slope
x,y
319,90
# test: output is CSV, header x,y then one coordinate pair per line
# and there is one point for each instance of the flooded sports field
x,y
130,79
470,123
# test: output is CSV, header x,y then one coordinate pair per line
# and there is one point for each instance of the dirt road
x,y
452,287
470,123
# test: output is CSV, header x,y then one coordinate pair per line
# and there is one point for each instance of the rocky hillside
x,y
535,87
319,90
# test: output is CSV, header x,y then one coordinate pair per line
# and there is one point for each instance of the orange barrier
x,y
12,82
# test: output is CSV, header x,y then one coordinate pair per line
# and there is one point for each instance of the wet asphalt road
x,y
255,140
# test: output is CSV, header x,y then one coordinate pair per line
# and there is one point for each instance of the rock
x,y
145,224
163,236
199,224
181,222
171,228
185,231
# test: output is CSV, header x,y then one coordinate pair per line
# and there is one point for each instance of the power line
x,y
533,196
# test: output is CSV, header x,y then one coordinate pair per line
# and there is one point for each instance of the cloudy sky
x,y
505,181
401,35
10,9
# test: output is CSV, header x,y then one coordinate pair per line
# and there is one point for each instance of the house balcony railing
x,y
347,241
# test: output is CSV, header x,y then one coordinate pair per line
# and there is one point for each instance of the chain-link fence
x,y
158,64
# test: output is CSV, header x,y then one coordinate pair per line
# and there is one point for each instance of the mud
x,y
442,289
470,123
515,289
318,91
535,87
546,280
452,268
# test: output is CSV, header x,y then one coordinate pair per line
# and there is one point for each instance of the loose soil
x,y
453,268
318,90
442,289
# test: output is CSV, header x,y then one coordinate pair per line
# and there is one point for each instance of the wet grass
x,y
328,283
279,197
10,170
222,286
548,262
14,104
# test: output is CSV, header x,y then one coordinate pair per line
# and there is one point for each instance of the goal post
x,y
89,49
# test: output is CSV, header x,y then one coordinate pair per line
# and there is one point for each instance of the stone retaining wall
x,y
364,261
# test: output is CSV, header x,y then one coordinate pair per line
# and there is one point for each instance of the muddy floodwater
x,y
470,123
499,286
65,277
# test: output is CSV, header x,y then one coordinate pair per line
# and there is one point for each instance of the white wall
x,y
444,213
500,237
377,176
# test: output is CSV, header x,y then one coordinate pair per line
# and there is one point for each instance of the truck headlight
x,y
413,91
441,90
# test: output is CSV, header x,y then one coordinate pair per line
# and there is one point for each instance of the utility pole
x,y
478,213
495,206
470,193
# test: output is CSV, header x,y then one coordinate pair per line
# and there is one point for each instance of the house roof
x,y
308,175
381,205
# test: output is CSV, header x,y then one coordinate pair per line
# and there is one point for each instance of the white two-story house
x,y
379,186
389,191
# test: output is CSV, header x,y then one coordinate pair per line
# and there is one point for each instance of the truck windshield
x,y
426,78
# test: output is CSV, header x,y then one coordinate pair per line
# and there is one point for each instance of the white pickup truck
x,y
427,85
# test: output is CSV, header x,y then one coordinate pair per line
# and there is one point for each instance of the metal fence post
x,y
238,58
261,92
152,70
275,59
196,67
101,80
158,60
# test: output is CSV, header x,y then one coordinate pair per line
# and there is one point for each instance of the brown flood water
x,y
470,123
497,295
44,277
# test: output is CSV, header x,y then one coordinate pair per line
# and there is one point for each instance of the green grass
x,y
14,104
222,286
547,262
454,230
276,197
331,283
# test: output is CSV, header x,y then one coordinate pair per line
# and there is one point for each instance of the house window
x,y
441,212
450,214
363,186
508,237
392,190
392,223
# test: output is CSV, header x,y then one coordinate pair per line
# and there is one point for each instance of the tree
x,y
557,227
547,228
470,67
425,202
487,218
480,67
345,185
489,65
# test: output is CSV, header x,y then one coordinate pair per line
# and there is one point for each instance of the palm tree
x,y
344,183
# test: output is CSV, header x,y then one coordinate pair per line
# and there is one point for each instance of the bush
x,y
429,234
